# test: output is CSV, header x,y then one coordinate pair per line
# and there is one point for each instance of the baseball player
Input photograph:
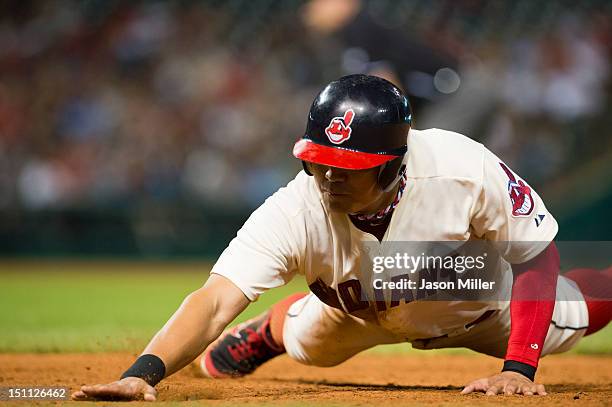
x,y
369,179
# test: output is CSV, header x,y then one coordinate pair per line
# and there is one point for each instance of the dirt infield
x,y
368,379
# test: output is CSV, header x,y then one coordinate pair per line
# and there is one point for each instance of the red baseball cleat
x,y
241,350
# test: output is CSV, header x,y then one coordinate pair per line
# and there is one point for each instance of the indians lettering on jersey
x,y
520,194
339,129
351,297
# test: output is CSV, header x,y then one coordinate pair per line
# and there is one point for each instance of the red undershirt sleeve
x,y
531,308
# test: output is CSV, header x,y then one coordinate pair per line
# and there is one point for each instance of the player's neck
x,y
377,221
377,230
381,203
384,205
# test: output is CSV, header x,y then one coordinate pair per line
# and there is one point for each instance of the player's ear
x,y
306,168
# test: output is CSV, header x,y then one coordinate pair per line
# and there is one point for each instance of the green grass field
x,y
102,306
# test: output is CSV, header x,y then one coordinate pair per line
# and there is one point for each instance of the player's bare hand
x,y
505,383
130,388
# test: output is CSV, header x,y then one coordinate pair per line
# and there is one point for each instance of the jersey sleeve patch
x,y
519,193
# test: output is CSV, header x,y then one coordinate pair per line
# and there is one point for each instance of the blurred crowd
x,y
105,103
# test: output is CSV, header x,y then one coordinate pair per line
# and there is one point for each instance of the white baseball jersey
x,y
456,190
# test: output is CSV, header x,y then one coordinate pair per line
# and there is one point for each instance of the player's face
x,y
348,191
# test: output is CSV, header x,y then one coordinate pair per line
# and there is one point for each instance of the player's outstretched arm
x,y
199,320
531,307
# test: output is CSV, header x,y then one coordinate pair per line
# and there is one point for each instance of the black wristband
x,y
519,367
150,368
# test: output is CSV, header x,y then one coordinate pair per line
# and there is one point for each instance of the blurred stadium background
x,y
151,129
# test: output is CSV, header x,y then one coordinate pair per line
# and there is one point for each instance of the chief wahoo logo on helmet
x,y
339,129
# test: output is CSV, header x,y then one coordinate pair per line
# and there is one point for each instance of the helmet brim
x,y
307,150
